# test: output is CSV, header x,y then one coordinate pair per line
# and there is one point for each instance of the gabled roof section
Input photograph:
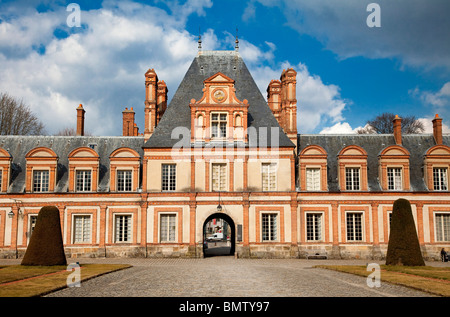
x,y
205,66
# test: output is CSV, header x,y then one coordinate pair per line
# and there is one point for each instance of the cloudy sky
x,y
348,72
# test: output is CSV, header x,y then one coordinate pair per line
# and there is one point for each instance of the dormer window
x,y
436,167
83,180
42,164
218,125
218,115
40,181
440,180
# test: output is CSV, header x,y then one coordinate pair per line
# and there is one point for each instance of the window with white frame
x,y
40,181
219,176
269,176
82,229
313,226
33,220
354,226
219,125
167,230
313,179
442,225
269,226
168,177
440,179
83,180
394,177
124,180
123,228
352,181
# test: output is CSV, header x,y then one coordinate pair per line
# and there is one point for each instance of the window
x,y
1,175
313,179
313,227
219,177
352,178
218,125
83,181
269,176
124,181
168,226
40,181
82,229
440,178
123,228
443,227
394,178
168,177
33,220
354,226
269,227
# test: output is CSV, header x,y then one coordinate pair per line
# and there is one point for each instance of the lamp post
x,y
11,216
219,207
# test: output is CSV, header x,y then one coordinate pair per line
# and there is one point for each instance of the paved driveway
x,y
225,276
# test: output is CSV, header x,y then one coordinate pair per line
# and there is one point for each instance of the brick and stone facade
x,y
220,142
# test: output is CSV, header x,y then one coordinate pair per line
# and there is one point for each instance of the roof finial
x,y
199,40
236,47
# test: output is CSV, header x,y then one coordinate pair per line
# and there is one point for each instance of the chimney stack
x,y
128,122
80,120
437,129
274,99
397,130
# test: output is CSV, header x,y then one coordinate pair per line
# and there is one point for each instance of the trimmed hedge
x,y
403,247
46,244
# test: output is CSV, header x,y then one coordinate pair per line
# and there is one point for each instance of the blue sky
x,y
347,72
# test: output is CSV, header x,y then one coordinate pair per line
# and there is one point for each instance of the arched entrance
x,y
222,238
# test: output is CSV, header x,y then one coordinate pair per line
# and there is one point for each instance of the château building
x,y
220,149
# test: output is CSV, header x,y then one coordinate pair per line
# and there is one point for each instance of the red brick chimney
x,y
437,129
274,99
128,122
80,120
161,100
397,130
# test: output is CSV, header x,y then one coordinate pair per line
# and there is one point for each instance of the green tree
x,y
46,245
403,246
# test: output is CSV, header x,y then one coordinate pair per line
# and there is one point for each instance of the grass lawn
x,y
434,280
28,281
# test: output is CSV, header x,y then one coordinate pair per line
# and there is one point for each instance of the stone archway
x,y
226,246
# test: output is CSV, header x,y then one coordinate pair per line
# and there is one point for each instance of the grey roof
x,y
373,144
19,146
204,66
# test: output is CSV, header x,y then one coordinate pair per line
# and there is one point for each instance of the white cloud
x,y
428,125
318,104
339,128
438,101
101,66
414,31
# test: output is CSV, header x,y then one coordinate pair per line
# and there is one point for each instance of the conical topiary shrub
x,y
403,247
46,244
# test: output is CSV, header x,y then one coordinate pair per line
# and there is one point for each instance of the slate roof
x,y
231,64
417,145
19,146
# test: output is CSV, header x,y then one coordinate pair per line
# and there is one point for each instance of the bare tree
x,y
382,124
16,118
70,132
